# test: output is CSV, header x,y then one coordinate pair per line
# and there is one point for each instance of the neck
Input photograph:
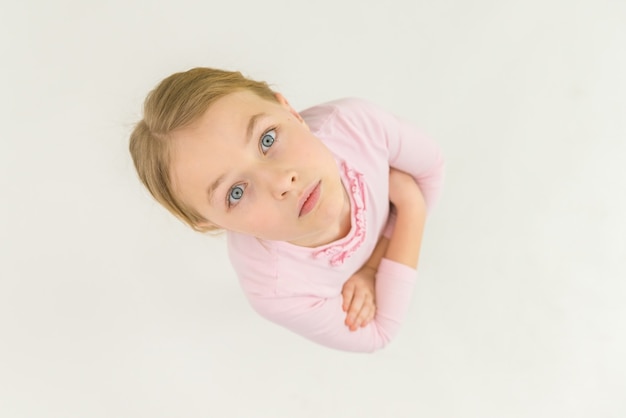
x,y
343,224
345,220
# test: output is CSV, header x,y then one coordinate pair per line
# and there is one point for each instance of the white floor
x,y
111,308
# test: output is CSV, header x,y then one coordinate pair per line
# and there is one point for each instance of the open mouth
x,y
311,200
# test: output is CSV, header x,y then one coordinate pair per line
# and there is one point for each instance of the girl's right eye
x,y
235,194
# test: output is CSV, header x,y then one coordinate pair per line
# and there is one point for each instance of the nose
x,y
280,181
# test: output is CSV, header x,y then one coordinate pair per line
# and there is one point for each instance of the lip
x,y
309,199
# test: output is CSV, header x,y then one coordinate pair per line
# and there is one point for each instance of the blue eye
x,y
267,140
235,194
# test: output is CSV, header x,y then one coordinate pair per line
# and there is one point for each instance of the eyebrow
x,y
213,187
252,122
252,125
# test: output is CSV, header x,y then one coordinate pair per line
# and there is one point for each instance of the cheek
x,y
307,150
259,219
263,226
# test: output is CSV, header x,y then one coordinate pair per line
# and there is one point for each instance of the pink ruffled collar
x,y
337,253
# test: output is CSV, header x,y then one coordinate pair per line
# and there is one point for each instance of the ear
x,y
284,103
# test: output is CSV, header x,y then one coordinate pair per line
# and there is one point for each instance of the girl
x,y
304,198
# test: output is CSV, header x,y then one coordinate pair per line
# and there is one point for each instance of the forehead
x,y
231,109
227,116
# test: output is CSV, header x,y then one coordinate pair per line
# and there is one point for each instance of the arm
x,y
406,240
359,291
411,152
414,153
406,148
318,318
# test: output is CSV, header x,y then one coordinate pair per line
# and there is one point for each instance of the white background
x,y
109,307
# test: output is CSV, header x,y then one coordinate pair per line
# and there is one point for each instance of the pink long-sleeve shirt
x,y
300,288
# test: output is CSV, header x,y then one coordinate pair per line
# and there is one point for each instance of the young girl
x,y
303,197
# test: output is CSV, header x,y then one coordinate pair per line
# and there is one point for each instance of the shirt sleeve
x,y
408,148
322,319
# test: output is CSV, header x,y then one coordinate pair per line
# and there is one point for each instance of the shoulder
x,y
347,122
344,108
350,122
254,262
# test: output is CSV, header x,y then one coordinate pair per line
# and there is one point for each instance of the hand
x,y
403,190
359,298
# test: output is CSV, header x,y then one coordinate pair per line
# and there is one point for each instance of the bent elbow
x,y
378,341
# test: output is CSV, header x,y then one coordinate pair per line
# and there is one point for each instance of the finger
x,y
364,313
348,294
355,308
368,313
370,316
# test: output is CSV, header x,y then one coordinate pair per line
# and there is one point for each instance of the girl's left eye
x,y
235,195
267,140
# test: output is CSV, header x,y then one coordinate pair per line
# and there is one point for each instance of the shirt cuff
x,y
399,271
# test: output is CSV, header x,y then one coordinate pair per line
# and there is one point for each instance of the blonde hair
x,y
178,101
